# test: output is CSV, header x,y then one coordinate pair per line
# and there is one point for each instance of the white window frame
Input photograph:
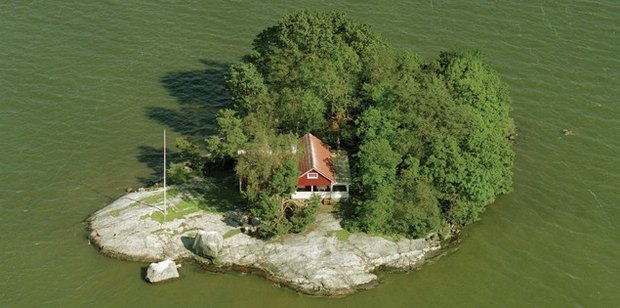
x,y
312,175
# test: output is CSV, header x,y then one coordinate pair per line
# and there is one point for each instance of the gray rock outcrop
x,y
208,243
315,262
162,271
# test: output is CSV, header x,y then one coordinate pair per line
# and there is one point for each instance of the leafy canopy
x,y
428,139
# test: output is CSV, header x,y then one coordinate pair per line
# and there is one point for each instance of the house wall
x,y
303,180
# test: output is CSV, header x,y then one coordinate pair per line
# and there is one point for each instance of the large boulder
x,y
208,243
161,271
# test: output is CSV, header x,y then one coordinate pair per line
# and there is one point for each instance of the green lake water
x,y
86,88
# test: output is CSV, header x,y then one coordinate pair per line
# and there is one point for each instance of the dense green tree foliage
x,y
304,73
268,167
428,139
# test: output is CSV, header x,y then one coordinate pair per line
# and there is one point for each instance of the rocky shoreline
x,y
315,262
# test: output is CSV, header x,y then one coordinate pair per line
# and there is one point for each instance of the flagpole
x,y
165,210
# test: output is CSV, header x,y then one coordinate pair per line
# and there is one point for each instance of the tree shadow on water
x,y
200,95
154,159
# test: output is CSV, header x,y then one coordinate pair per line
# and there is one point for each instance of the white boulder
x,y
161,271
208,243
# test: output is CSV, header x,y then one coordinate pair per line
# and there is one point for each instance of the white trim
x,y
304,195
312,175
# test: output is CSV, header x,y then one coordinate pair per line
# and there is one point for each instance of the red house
x,y
322,172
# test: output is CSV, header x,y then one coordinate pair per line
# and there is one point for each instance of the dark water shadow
x,y
154,159
200,95
143,270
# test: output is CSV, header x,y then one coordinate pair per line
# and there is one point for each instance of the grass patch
x,y
159,197
341,235
231,233
187,205
181,209
115,213
217,193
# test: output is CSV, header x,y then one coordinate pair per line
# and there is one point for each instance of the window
x,y
313,175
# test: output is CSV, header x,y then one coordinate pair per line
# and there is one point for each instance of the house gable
x,y
321,172
306,180
316,156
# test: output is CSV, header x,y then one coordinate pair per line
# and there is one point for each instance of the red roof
x,y
316,156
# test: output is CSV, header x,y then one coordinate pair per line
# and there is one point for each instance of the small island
x,y
341,154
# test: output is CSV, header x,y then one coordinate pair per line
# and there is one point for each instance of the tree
x,y
248,90
416,211
231,137
268,167
377,180
310,65
428,138
304,114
